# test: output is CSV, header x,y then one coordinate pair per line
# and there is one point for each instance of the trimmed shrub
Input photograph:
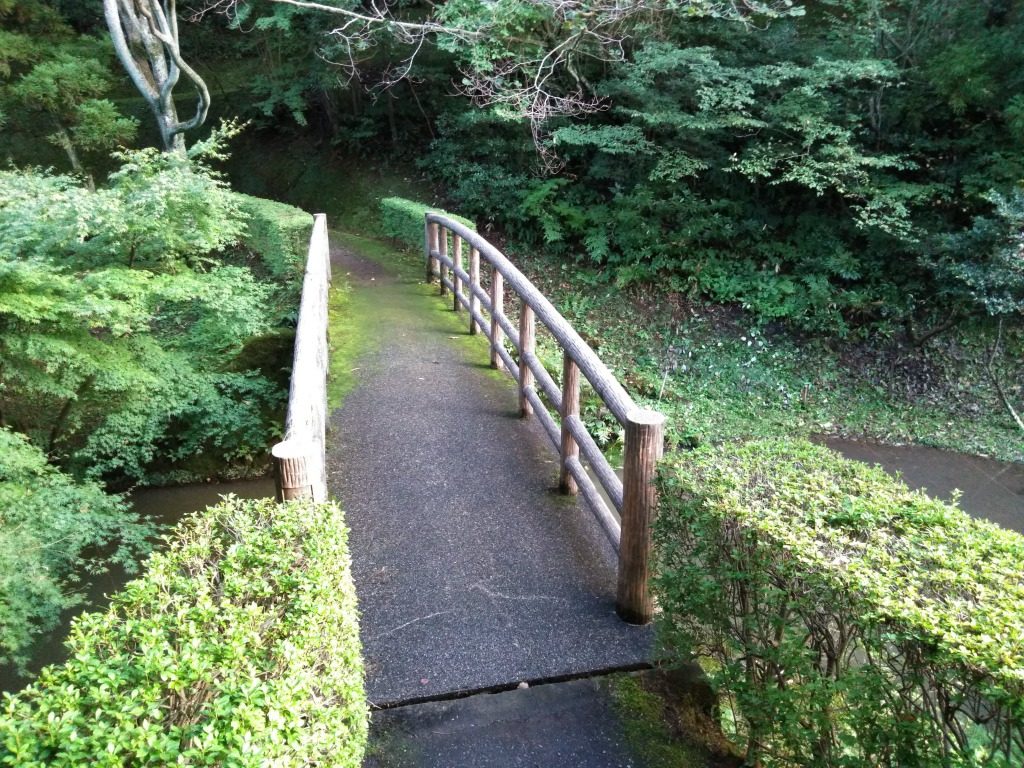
x,y
847,620
279,233
238,647
402,220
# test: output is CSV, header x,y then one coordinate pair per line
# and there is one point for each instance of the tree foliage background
x,y
841,166
853,166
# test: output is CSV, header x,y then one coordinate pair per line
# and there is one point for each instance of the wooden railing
x,y
299,461
633,497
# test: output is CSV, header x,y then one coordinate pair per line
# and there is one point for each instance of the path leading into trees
x,y
473,573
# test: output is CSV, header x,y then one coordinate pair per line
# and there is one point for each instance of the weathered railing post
x,y
474,283
442,248
456,281
497,310
643,449
570,408
431,238
527,347
291,470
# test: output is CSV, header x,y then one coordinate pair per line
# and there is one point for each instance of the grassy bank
x,y
718,376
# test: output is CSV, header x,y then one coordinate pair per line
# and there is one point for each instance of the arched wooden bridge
x,y
477,565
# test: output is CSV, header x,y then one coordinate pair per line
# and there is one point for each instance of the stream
x,y
990,489
164,505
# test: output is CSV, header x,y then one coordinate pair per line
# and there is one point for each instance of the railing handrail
x,y
299,459
633,496
601,379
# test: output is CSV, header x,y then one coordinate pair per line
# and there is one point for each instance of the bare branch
x,y
540,77
380,17
993,375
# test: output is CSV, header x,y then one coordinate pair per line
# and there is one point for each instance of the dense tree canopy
x,y
529,59
123,318
58,81
117,317
838,166
857,164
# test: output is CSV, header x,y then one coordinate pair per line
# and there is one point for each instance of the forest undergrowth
x,y
716,370
719,374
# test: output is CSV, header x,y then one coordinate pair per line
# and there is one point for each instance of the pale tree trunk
x,y
145,37
65,142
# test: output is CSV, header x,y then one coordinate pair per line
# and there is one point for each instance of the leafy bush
x,y
278,232
239,646
160,212
849,620
981,268
123,325
51,530
402,220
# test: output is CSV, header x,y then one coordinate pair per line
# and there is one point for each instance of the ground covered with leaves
x,y
719,374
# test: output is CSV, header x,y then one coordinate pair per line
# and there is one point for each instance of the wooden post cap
x,y
289,449
645,417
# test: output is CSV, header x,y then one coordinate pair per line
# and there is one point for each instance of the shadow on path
x,y
570,725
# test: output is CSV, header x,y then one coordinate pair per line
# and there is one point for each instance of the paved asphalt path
x,y
567,725
472,572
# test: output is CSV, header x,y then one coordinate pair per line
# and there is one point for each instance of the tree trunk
x,y
419,106
392,124
65,143
62,418
145,38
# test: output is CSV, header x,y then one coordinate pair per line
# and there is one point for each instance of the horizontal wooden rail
x,y
299,459
610,481
632,496
596,372
594,499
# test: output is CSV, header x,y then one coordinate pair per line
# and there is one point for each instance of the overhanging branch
x,y
533,69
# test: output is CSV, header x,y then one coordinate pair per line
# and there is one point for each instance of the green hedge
x,y
238,647
402,220
279,233
847,620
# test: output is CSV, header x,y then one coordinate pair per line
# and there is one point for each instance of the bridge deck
x,y
472,572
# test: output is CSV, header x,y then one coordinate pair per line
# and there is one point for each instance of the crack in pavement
x,y
410,622
502,596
